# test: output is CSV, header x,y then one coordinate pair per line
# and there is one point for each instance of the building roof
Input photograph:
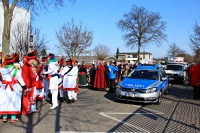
x,y
134,53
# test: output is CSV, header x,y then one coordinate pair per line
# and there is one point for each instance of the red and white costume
x,y
10,94
29,76
70,80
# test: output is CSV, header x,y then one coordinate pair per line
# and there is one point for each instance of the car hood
x,y
138,83
174,71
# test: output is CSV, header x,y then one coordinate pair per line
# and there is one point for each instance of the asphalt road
x,y
99,111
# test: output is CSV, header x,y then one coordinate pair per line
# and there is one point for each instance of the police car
x,y
146,84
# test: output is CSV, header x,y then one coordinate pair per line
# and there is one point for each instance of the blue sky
x,y
101,16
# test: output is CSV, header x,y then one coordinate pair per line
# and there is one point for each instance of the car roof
x,y
148,67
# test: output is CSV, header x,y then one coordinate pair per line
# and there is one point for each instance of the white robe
x,y
10,102
69,80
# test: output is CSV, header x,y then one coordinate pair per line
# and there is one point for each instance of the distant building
x,y
132,57
20,17
127,57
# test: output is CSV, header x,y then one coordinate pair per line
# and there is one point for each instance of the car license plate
x,y
129,94
171,78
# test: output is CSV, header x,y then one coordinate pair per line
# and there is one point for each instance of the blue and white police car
x,y
146,84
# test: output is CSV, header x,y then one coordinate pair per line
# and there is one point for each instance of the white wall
x,y
21,16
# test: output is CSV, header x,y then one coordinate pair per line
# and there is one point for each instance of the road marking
x,y
80,132
118,113
126,123
157,112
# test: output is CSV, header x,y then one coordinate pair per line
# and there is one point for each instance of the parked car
x,y
146,84
176,72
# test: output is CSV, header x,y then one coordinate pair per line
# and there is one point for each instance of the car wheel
x,y
159,98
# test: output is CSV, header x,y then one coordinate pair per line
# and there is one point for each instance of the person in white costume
x,y
44,76
70,74
76,90
60,88
53,79
10,95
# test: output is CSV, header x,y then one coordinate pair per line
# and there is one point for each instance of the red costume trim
x,y
10,83
10,112
68,89
82,73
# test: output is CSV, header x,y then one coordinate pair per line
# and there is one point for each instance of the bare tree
x,y
195,41
9,6
187,57
40,42
74,40
20,43
142,27
101,51
174,50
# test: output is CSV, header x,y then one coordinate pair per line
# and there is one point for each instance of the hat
x,y
44,58
51,56
73,61
61,61
16,56
68,61
9,59
30,56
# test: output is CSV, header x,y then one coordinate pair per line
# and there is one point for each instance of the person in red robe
x,y
100,82
29,76
39,86
194,80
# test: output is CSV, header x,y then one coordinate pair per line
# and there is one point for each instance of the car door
x,y
165,82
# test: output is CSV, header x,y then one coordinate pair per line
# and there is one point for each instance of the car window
x,y
174,67
145,74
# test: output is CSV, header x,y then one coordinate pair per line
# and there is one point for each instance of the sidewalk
x,y
186,115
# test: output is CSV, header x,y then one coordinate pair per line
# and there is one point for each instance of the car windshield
x,y
144,74
174,67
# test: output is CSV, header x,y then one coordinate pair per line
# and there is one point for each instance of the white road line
x,y
157,112
126,123
118,113
80,132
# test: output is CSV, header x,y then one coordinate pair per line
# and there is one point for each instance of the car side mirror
x,y
124,76
164,78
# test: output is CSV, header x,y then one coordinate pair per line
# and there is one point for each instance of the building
x,y
21,17
132,57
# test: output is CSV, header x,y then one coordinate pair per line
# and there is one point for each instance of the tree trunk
x,y
6,33
8,13
139,51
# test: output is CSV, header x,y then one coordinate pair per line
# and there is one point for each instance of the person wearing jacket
x,y
29,76
112,70
53,79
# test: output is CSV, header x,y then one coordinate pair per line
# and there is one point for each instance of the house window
x,y
143,56
31,38
134,56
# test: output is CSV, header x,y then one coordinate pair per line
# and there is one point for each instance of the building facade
x,y
132,57
20,25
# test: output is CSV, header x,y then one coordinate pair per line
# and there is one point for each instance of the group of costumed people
x,y
101,77
26,81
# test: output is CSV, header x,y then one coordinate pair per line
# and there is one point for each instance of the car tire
x,y
159,98
118,100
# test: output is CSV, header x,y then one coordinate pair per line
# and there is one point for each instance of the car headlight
x,y
181,74
150,90
119,87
